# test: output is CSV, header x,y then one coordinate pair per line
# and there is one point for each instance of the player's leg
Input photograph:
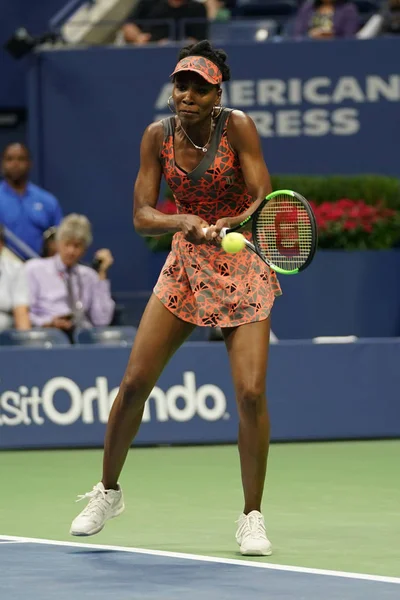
x,y
159,335
248,353
247,347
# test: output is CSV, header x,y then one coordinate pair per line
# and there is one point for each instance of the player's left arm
x,y
245,141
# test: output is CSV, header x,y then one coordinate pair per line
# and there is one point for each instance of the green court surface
x,y
327,505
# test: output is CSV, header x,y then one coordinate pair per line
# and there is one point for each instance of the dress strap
x,y
169,127
209,158
219,129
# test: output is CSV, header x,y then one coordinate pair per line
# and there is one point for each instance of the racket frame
x,y
255,247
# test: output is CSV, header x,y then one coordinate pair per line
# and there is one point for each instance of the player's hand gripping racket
x,y
284,232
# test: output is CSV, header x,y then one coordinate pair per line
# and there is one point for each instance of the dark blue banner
x,y
319,107
62,397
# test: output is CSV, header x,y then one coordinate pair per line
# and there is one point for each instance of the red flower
x,y
350,225
367,228
355,224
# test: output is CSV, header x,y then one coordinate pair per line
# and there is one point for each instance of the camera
x,y
96,264
22,42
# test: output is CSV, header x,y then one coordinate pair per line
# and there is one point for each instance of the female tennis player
x,y
212,160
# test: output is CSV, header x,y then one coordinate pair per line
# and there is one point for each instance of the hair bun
x,y
221,54
204,45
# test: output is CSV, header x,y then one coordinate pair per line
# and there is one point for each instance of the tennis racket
x,y
284,232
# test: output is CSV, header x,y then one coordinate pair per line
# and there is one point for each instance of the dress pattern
x,y
202,284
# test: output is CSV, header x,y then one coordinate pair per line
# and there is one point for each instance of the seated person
x,y
14,299
136,32
391,17
65,294
327,19
25,209
217,10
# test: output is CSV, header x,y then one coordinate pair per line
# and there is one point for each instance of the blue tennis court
x,y
45,570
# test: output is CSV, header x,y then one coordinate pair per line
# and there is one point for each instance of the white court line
x,y
209,559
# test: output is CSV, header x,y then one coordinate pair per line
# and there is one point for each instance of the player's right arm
x,y
148,221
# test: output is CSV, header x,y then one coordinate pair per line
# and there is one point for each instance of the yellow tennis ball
x,y
233,242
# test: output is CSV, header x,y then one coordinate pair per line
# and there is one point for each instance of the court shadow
x,y
92,551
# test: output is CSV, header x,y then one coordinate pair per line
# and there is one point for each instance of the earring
x,y
215,114
171,108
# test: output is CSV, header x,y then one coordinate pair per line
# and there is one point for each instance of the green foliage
x,y
373,189
337,229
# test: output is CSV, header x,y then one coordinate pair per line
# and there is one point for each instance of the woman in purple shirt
x,y
326,19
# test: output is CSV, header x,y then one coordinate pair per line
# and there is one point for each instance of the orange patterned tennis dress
x,y
202,284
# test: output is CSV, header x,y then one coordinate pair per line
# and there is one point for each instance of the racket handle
x,y
222,233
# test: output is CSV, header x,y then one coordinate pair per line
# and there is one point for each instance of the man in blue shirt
x,y
25,209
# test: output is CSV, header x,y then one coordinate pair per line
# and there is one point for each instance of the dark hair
x,y
2,236
217,56
23,146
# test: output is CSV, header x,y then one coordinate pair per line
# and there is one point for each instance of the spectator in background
x,y
327,19
136,32
391,17
65,294
217,10
25,209
14,312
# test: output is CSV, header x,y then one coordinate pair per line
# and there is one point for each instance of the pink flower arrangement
x,y
354,224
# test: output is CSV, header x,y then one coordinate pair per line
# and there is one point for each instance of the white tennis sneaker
x,y
103,505
251,535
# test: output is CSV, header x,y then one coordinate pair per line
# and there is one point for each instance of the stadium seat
x,y
367,6
265,8
371,27
45,337
366,9
106,336
244,30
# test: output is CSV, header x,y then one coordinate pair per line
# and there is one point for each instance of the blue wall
x,y
315,392
34,15
341,293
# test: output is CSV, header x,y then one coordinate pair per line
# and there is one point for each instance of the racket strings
x,y
284,232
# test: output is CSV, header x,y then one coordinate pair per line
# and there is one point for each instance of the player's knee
x,y
251,401
134,391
